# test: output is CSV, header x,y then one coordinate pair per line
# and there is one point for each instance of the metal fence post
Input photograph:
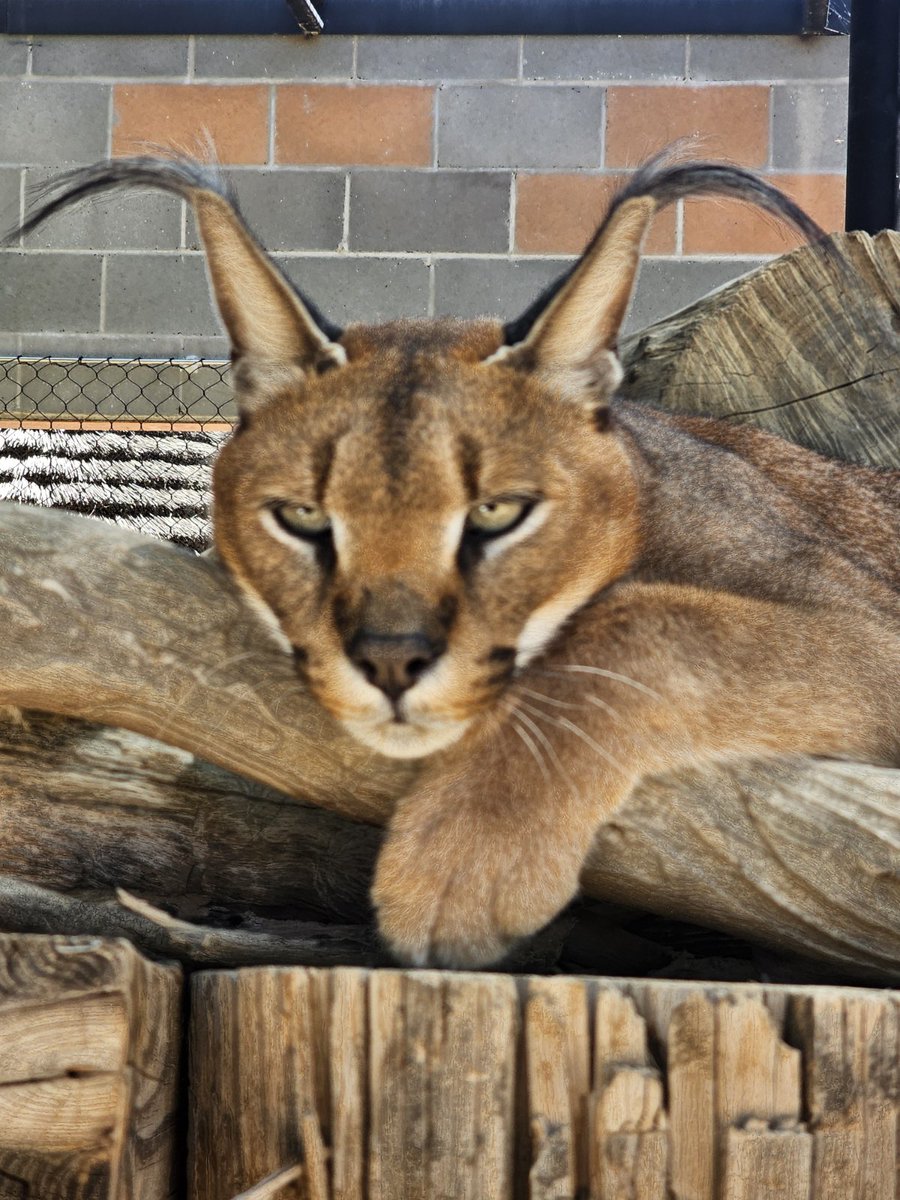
x,y
873,115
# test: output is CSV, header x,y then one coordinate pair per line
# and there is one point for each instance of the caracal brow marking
x,y
481,558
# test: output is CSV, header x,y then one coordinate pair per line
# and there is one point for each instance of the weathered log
x,y
111,627
90,1036
438,1084
711,847
105,626
806,347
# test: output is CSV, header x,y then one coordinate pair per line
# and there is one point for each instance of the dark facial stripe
x,y
469,462
322,458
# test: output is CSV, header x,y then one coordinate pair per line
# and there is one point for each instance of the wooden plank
x,y
766,1164
419,1085
348,1055
385,1085
89,1039
441,1085
252,1081
557,1065
757,1075
852,1066
691,1037
629,1145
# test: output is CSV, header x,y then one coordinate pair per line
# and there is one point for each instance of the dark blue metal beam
x,y
409,16
873,115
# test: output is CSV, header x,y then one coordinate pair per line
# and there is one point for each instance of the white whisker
x,y
548,699
614,675
565,723
595,745
607,708
548,746
535,753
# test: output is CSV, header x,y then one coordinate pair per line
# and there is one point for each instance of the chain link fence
x,y
114,393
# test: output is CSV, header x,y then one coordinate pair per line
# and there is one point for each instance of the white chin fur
x,y
405,741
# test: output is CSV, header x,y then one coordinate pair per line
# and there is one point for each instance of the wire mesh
x,y
115,393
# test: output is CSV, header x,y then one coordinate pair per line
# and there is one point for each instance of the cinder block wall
x,y
394,176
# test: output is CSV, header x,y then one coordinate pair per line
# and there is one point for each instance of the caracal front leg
x,y
487,849
489,845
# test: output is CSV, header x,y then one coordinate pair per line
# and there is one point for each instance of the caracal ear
x,y
275,336
568,336
571,345
272,331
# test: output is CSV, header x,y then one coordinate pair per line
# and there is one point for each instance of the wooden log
x,y
89,1039
111,627
691,1091
760,850
806,347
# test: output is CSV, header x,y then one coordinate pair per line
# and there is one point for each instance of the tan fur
x,y
679,591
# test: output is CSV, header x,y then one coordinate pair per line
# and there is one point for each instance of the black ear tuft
x,y
177,174
665,179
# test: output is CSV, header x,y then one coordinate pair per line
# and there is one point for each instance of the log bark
x,y
442,1084
88,1071
104,626
806,347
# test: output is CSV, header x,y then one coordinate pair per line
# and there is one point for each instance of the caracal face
x,y
420,523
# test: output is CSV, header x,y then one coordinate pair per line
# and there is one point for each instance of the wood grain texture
x,y
807,347
89,1039
802,855
616,1089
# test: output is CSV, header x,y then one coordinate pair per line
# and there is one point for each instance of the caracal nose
x,y
393,662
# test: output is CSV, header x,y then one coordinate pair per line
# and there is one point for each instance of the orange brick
x,y
557,214
181,115
733,122
724,227
334,123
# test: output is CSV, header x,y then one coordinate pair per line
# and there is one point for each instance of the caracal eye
x,y
303,520
495,516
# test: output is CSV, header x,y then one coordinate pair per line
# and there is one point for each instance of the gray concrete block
x,y
13,55
102,345
60,292
475,287
158,294
10,194
110,221
438,58
49,122
429,210
213,346
119,57
346,288
505,126
328,57
721,59
809,127
666,285
608,57
290,210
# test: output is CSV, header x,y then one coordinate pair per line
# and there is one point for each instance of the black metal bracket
x,y
826,16
307,16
